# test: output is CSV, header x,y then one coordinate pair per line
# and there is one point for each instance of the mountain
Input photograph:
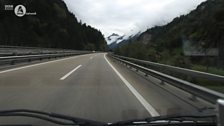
x,y
109,38
122,40
114,38
202,29
53,26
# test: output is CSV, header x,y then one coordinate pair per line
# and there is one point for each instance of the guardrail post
x,y
162,82
193,97
146,75
12,62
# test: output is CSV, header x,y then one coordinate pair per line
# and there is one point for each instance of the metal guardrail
x,y
28,58
192,73
26,47
20,50
193,89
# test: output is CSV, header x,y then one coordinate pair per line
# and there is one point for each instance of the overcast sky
x,y
128,16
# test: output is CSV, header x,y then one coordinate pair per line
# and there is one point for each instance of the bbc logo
x,y
8,7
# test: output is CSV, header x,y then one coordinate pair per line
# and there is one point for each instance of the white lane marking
x,y
68,74
148,107
38,64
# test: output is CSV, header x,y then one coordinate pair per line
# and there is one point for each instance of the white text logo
x,y
8,7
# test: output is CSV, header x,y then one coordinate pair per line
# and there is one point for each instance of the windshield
x,y
111,60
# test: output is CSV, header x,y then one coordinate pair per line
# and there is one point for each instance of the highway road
x,y
91,86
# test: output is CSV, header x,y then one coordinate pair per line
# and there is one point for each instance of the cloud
x,y
128,16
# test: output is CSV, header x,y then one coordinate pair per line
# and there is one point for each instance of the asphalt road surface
x,y
91,86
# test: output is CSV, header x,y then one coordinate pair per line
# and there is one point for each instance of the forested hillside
x,y
203,27
53,26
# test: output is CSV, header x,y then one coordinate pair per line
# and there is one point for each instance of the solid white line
x,y
147,106
68,74
38,64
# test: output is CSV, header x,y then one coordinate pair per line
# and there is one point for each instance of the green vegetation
x,y
212,70
203,27
216,88
53,27
140,51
